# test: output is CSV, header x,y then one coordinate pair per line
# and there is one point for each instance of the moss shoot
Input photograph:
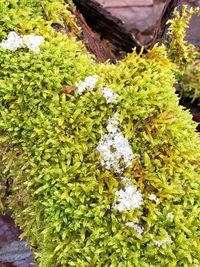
x,y
186,56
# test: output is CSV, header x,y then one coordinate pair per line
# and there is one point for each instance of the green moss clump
x,y
185,56
60,192
27,16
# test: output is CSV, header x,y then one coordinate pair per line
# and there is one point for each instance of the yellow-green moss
x,y
186,56
60,194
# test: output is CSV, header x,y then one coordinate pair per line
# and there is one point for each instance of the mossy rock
x,y
186,56
60,192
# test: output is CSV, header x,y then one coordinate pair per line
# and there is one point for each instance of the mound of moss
x,y
101,161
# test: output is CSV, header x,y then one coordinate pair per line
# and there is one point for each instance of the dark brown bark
x,y
100,48
129,23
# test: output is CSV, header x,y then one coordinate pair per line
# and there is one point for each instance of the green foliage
x,y
27,16
186,56
60,194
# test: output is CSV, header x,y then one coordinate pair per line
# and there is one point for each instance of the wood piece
x,y
100,48
127,23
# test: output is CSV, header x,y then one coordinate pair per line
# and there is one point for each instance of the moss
x,y
27,16
60,192
186,56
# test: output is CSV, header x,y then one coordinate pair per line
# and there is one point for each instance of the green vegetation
x,y
185,56
59,192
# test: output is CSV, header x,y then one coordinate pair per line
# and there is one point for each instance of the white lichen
x,y
128,199
15,41
154,198
113,124
136,227
88,84
161,243
170,216
108,94
115,148
33,42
